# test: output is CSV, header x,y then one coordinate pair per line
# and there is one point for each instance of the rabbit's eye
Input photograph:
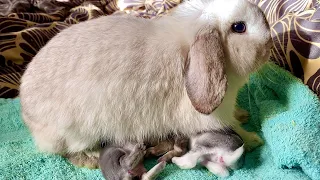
x,y
239,27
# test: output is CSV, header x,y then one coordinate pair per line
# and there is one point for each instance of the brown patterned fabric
x,y
295,26
27,25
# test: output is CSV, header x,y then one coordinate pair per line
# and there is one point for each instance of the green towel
x,y
283,110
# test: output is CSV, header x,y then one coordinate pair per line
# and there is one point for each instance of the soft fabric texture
x,y
27,25
282,109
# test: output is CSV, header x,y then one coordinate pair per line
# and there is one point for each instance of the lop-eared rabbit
x,y
123,78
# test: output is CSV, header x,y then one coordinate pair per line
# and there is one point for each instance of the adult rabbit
x,y
122,78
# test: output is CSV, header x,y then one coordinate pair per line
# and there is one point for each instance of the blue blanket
x,y
283,110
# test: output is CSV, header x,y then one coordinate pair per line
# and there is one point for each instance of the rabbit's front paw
x,y
252,141
241,115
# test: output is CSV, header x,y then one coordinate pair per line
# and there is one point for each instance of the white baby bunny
x,y
122,78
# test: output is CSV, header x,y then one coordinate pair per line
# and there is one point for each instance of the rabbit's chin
x,y
245,71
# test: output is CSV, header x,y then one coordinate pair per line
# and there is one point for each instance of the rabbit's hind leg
x,y
88,159
44,136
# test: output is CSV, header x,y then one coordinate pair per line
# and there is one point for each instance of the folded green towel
x,y
289,116
282,109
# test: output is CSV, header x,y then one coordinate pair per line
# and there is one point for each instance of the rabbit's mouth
x,y
265,56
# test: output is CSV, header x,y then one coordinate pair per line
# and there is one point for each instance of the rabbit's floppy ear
x,y
205,77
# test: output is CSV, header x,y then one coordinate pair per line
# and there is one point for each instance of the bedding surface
x,y
284,111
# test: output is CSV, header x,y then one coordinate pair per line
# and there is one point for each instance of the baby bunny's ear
x,y
205,77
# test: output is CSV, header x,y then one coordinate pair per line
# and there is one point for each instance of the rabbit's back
x,y
102,78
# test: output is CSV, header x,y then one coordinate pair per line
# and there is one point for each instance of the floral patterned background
x,y
26,26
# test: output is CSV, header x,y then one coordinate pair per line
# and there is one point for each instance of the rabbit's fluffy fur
x,y
122,78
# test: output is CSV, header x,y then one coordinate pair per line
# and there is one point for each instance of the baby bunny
x,y
126,163
172,146
216,150
127,79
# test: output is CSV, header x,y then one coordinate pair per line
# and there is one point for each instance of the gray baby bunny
x,y
216,150
126,163
121,78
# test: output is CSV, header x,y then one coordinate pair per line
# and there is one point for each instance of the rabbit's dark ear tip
x,y
205,112
204,109
209,103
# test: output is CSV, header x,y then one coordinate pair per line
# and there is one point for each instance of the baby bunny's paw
x,y
217,169
223,173
182,163
139,147
136,156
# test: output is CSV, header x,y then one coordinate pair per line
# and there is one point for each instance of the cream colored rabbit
x,y
122,78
